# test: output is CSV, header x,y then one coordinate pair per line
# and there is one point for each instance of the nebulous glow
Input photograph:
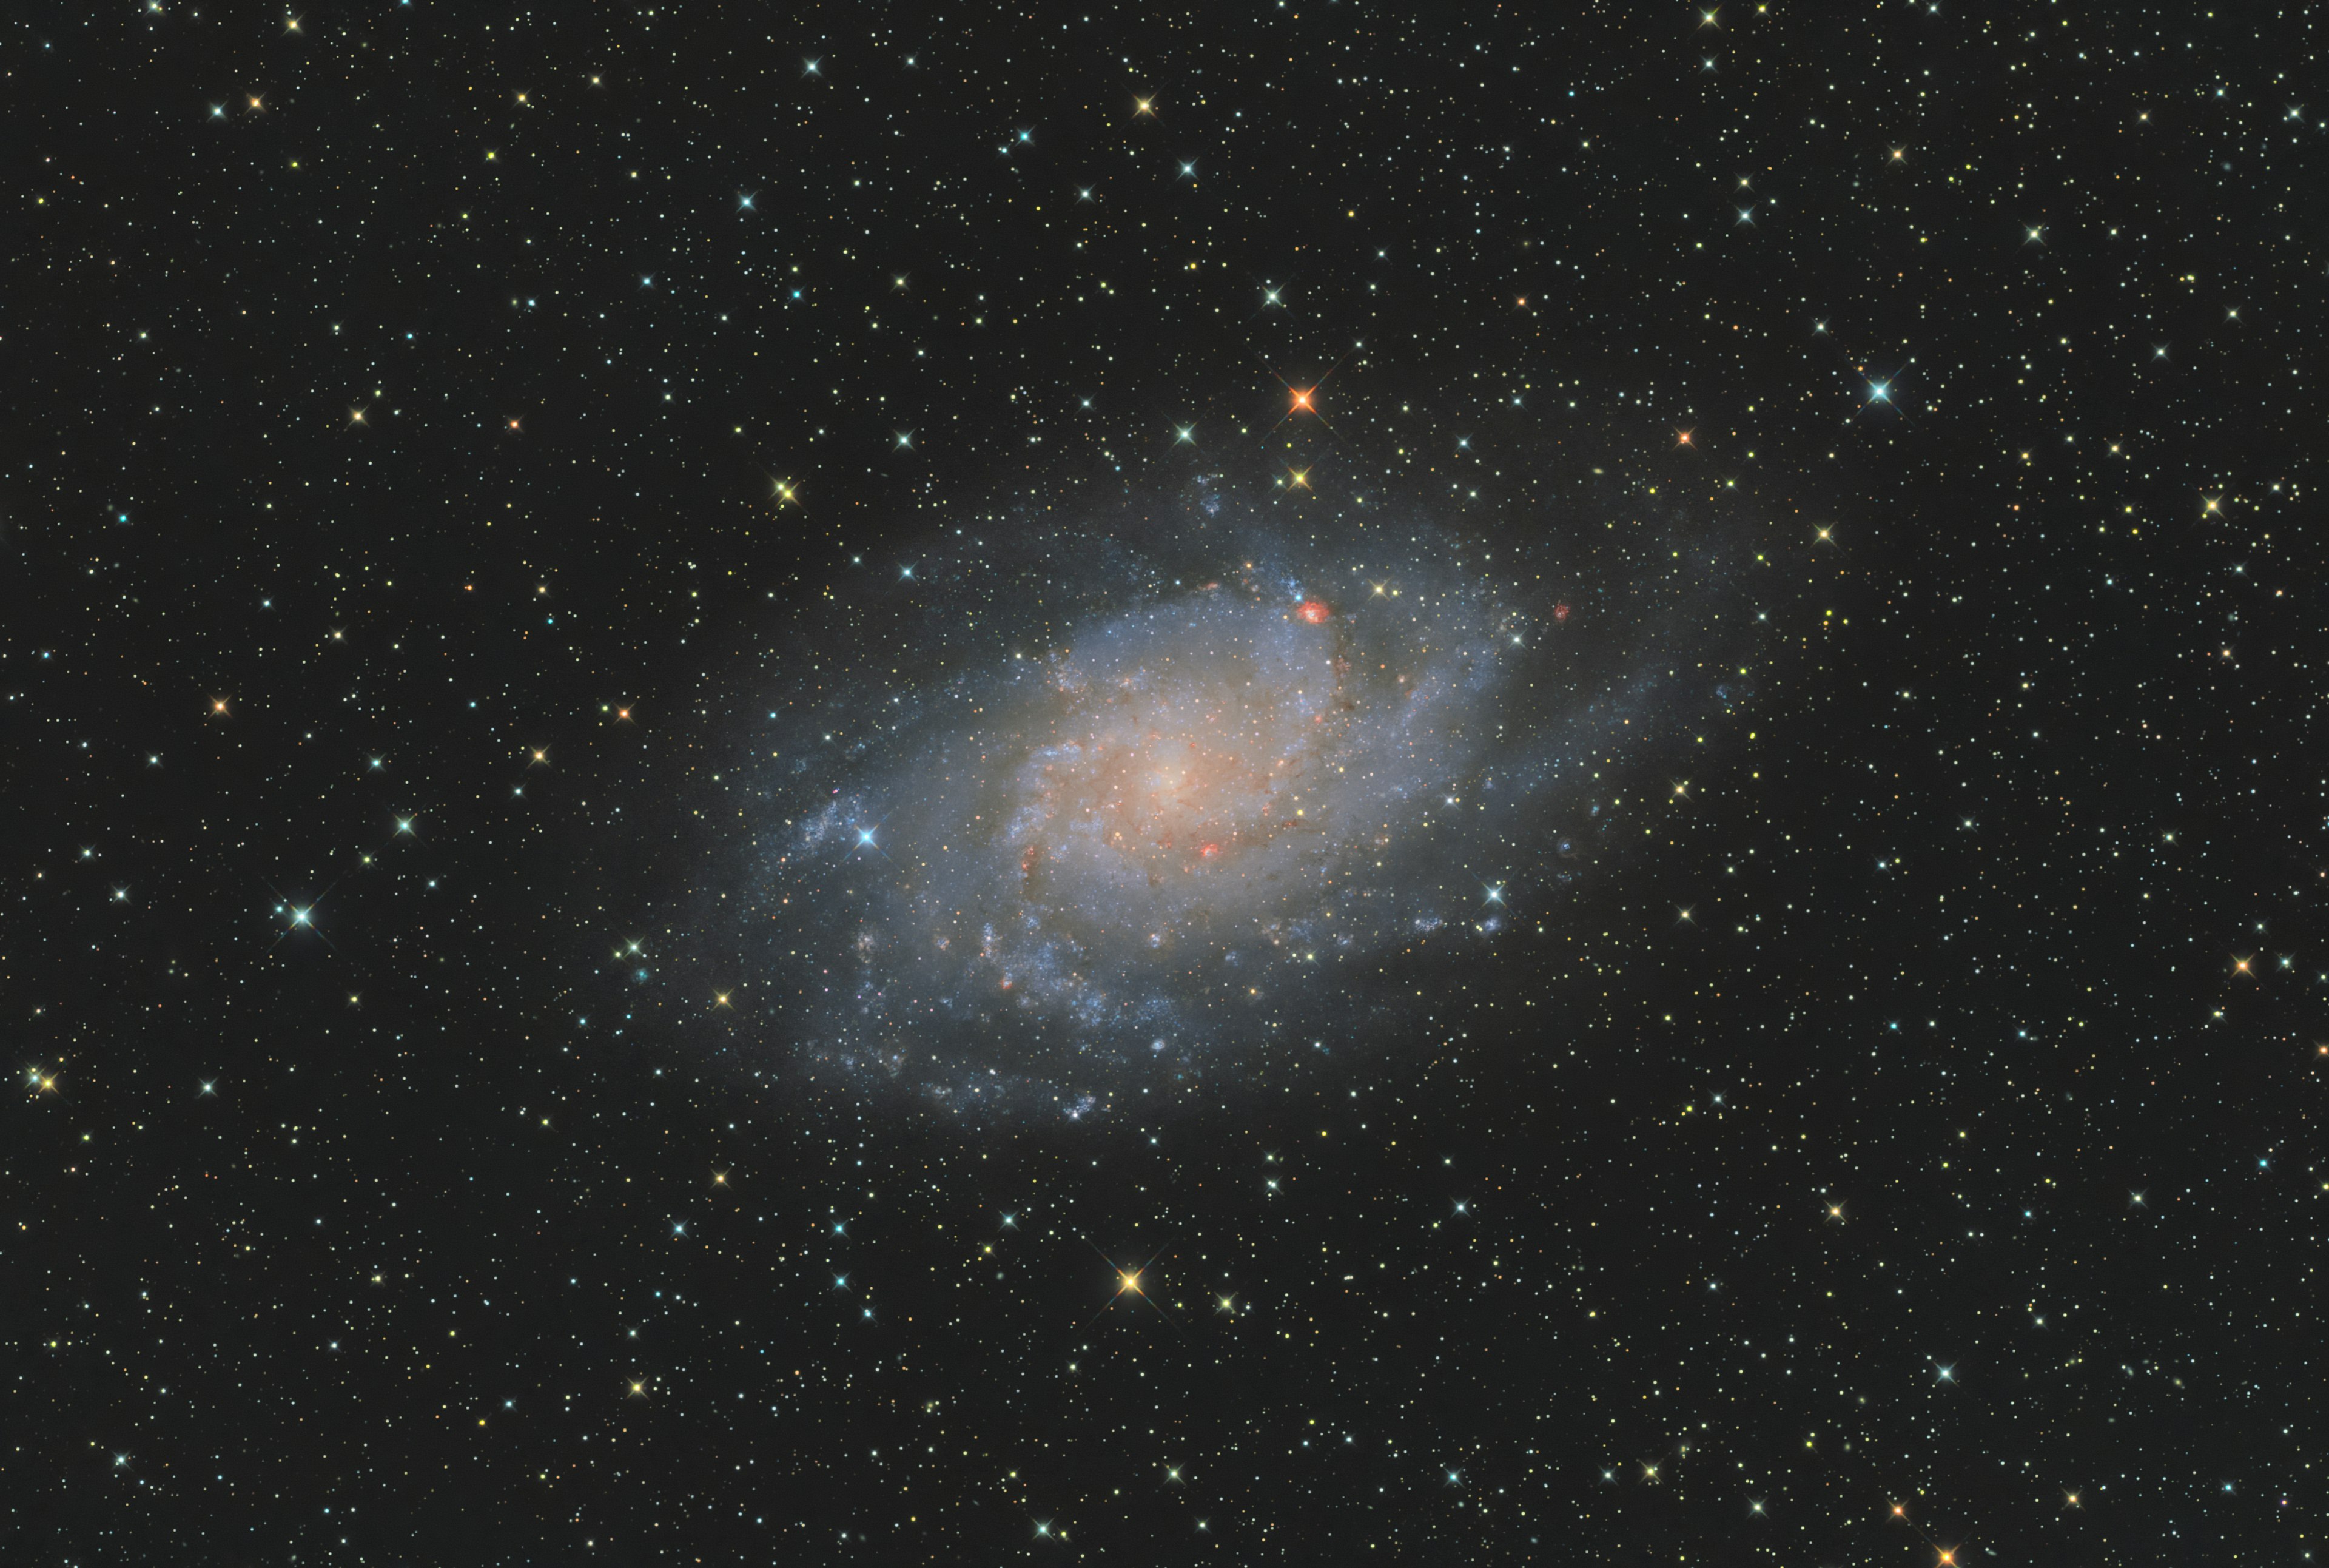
x,y
1185,789
1110,820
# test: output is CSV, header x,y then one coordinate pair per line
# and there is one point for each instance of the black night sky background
x,y
1832,1079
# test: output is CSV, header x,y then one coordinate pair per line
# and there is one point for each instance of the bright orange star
x,y
1302,401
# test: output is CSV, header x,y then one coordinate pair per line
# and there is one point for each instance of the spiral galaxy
x,y
1127,810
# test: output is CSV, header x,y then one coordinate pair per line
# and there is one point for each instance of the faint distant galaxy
x,y
1059,816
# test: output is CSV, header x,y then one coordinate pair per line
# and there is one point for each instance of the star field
x,y
704,866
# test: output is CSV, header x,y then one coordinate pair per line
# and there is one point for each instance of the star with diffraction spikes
x,y
1129,1282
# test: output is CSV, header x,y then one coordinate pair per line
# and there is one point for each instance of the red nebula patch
x,y
1209,851
1314,611
1561,612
